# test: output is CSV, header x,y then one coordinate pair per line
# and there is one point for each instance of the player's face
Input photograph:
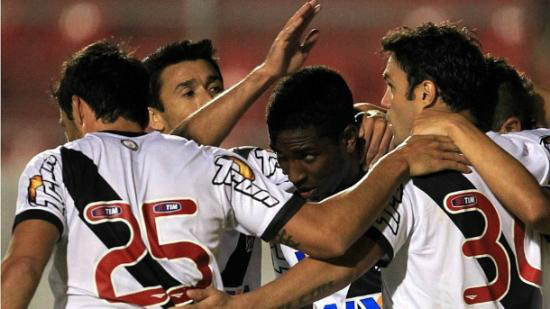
x,y
185,87
72,132
401,111
318,166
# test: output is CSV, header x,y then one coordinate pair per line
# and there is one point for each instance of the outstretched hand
x,y
426,154
289,52
209,298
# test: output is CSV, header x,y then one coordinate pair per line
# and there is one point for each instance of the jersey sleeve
x,y
531,148
41,191
395,224
266,162
259,207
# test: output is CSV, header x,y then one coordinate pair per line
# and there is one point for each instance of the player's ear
x,y
78,116
426,93
349,138
155,120
512,124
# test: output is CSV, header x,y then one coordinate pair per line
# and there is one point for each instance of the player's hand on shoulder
x,y
289,51
376,132
432,122
209,298
426,154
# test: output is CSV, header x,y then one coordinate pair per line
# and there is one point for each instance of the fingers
x,y
198,295
309,41
451,165
301,25
300,20
385,144
379,129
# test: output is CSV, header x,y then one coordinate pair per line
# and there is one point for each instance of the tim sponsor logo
x,y
105,211
167,207
464,200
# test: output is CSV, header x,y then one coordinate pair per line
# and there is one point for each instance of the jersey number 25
x,y
135,250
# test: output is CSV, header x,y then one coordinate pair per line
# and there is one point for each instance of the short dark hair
x,y
314,96
513,94
173,53
449,56
112,83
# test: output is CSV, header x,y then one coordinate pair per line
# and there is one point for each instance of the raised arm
x,y
28,253
507,178
327,229
287,54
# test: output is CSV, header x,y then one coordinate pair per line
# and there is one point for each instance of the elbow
x,y
539,222
539,218
23,266
336,245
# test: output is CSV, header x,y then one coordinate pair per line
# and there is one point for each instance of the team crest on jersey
x,y
243,168
130,144
35,182
167,207
105,211
235,172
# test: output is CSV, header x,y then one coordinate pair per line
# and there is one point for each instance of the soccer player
x,y
133,228
312,129
444,241
185,76
517,104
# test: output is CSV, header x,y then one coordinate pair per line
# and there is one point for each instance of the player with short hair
x,y
445,241
185,75
132,228
313,131
517,103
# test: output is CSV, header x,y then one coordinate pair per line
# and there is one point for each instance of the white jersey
x,y
362,293
141,215
240,256
453,245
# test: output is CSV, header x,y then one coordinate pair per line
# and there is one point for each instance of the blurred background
x,y
38,35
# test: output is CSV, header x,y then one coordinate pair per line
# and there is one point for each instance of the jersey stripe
x,y
438,186
235,269
86,185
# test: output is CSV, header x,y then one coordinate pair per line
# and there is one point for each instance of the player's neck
x,y
120,124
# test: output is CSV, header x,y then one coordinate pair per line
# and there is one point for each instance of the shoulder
x,y
517,142
50,157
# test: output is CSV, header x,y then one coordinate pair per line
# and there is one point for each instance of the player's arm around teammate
x,y
327,229
287,54
508,179
307,281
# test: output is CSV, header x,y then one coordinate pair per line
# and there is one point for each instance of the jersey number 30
x,y
135,250
489,244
